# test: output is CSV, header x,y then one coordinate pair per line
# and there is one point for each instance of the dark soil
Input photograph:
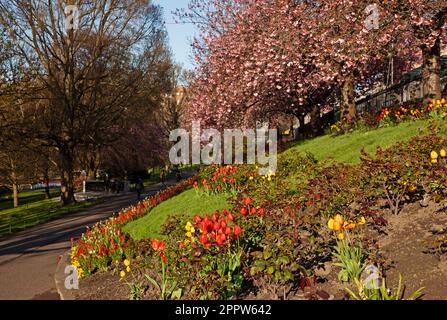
x,y
410,234
102,286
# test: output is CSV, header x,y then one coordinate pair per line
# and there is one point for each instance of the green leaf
x,y
267,255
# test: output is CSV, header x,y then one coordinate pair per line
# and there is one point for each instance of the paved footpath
x,y
28,259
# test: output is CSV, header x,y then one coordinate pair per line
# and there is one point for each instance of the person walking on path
x,y
139,188
163,177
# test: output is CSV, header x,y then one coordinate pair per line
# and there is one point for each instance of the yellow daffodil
x,y
341,236
128,269
189,234
251,178
443,153
126,262
434,155
188,226
434,161
122,274
192,230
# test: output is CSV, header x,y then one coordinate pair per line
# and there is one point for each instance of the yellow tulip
x,y
128,269
434,161
192,230
122,274
341,236
443,153
126,262
189,234
330,224
251,178
434,155
350,226
337,226
339,218
362,221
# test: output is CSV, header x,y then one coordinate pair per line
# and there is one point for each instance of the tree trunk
x,y
431,75
47,187
348,109
315,120
15,187
15,192
67,176
301,120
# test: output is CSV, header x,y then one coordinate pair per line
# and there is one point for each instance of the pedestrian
x,y
139,188
163,177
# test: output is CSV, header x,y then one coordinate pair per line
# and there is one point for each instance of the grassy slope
x,y
188,203
346,148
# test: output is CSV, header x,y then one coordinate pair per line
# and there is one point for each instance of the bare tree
x,y
89,60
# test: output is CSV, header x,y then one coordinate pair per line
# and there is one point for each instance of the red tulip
x,y
197,219
228,230
237,230
216,226
221,239
155,244
203,238
163,257
247,201
203,226
214,217
223,223
253,210
230,216
244,211
158,245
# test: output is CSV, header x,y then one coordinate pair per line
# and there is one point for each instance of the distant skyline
x,y
180,35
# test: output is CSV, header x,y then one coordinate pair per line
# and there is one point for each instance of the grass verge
x,y
188,202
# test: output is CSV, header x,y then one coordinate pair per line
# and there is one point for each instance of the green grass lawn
x,y
188,203
26,197
31,214
346,148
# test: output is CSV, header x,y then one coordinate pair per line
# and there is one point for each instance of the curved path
x,y
28,259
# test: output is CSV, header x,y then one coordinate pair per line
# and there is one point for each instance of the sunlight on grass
x,y
35,213
188,203
346,148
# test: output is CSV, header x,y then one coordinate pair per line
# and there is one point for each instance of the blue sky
x,y
180,35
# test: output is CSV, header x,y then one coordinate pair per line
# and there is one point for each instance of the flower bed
x,y
104,243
